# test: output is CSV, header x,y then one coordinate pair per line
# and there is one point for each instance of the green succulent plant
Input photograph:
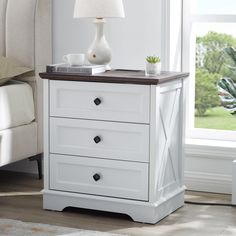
x,y
153,59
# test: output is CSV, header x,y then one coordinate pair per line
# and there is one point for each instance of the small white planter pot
x,y
153,69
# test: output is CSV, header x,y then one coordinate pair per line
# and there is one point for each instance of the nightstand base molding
x,y
143,212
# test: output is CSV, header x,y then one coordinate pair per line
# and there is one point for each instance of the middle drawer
x,y
110,140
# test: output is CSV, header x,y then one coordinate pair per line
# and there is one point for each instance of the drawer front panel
x,y
100,139
119,179
100,101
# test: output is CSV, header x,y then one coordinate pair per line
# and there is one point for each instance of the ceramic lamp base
x,y
99,53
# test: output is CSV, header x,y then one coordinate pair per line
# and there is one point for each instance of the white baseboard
x,y
208,182
209,167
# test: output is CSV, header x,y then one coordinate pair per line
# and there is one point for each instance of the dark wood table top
x,y
118,76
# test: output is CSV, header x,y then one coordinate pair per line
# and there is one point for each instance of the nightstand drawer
x,y
99,177
100,139
100,101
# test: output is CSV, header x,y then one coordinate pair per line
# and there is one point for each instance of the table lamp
x,y
99,52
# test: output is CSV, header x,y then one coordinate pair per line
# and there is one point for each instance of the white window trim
x,y
213,18
171,35
211,149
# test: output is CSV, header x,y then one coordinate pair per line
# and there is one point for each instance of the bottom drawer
x,y
120,179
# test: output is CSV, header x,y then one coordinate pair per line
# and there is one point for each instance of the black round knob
x,y
97,139
96,177
97,101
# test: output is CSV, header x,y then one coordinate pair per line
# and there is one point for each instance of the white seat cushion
x,y
16,105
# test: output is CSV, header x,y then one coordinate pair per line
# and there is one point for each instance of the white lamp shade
x,y
99,8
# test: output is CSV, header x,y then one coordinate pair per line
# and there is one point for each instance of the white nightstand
x,y
114,142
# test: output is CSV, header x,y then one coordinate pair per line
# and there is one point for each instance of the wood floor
x,y
187,221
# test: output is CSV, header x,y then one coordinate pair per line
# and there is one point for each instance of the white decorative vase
x,y
99,52
153,69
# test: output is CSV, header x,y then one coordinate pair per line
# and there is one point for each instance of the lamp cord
x,y
209,204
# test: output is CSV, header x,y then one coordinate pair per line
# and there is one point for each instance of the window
x,y
213,7
209,36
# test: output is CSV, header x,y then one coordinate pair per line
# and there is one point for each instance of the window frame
x,y
188,51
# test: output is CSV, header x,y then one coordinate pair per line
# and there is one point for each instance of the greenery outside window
x,y
209,53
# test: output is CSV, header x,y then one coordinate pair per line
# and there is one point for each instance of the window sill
x,y
210,148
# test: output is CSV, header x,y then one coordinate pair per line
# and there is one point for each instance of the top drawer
x,y
100,101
